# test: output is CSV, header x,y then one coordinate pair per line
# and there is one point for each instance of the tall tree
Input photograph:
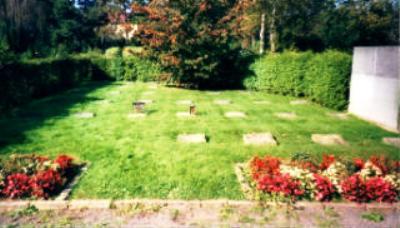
x,y
271,13
194,39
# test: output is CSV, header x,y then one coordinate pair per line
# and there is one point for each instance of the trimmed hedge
x,y
22,81
328,78
323,77
128,68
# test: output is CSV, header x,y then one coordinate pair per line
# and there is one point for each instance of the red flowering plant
x,y
380,190
17,185
358,163
312,167
263,166
31,175
65,165
271,182
354,189
324,189
280,185
64,162
46,183
327,160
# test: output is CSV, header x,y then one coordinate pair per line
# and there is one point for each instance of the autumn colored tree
x,y
196,40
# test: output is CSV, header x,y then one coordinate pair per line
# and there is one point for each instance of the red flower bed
x,y
376,179
31,175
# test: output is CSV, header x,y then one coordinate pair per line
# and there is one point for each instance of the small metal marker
x,y
138,106
192,109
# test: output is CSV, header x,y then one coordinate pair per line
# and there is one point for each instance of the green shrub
x,y
124,67
130,69
327,79
117,68
323,77
22,81
112,52
147,70
281,73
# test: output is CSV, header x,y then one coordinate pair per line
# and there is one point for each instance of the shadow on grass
x,y
33,115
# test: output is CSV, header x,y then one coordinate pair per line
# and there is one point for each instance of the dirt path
x,y
205,214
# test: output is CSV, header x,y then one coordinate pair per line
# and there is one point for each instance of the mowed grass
x,y
141,158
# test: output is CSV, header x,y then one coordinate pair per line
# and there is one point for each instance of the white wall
x,y
375,85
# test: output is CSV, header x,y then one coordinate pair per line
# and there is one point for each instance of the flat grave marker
x,y
392,141
136,115
148,93
184,102
214,93
103,102
259,139
192,138
114,93
222,102
184,114
261,102
328,139
286,115
84,115
341,116
299,102
235,114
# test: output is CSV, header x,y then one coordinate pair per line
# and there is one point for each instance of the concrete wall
x,y
375,85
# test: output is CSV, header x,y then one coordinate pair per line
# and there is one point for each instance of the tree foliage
x,y
40,26
322,24
195,40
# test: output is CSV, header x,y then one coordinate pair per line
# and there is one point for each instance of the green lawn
x,y
141,158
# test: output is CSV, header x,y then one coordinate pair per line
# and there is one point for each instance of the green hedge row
x,y
129,68
22,81
322,77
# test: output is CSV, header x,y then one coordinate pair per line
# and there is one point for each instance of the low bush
x,y
322,77
140,69
280,180
327,79
24,176
281,73
22,81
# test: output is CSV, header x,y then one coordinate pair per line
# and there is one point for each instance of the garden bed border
x,y
66,192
